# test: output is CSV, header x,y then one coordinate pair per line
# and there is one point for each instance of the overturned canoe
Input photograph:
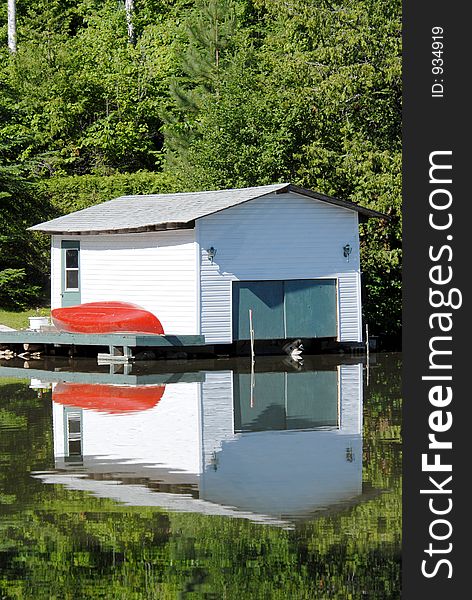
x,y
106,317
112,399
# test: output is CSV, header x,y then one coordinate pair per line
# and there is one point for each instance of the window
x,y
73,434
72,269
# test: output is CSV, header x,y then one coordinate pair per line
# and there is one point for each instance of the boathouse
x,y
200,261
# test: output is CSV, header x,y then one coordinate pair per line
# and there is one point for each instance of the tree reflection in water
x,y
57,542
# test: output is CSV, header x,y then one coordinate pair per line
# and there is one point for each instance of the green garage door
x,y
310,308
304,308
266,299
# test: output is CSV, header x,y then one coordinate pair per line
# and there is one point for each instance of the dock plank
x,y
131,340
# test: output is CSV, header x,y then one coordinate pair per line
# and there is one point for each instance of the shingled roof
x,y
157,212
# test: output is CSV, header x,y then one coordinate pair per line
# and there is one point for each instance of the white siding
x,y
283,236
58,430
349,306
164,437
289,472
285,473
351,396
217,413
155,270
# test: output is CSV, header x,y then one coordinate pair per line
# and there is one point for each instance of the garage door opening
x,y
297,308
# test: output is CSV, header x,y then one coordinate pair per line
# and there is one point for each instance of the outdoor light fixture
x,y
347,249
211,253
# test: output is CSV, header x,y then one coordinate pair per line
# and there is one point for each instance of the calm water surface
x,y
201,479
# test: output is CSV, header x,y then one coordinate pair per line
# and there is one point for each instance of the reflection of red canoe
x,y
108,398
106,317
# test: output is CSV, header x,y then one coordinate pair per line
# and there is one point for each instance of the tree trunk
x,y
12,25
129,7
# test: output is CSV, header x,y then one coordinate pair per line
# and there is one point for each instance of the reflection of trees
x,y
57,543
25,438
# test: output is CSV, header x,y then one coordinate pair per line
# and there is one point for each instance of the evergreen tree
x,y
23,260
210,30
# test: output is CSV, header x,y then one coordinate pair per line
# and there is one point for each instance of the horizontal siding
x,y
167,437
349,307
155,270
283,236
217,413
351,394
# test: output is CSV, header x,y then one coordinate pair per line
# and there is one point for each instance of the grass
x,y
19,319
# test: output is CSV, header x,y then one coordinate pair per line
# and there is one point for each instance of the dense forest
x,y
105,97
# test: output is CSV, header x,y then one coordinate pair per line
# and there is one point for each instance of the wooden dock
x,y
120,344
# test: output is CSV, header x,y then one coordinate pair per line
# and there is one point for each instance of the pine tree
x,y
210,32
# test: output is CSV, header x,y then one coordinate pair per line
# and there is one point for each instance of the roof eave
x,y
144,229
366,212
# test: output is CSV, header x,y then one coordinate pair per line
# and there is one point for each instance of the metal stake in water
x,y
253,357
251,334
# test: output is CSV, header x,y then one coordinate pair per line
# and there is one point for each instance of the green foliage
x,y
22,256
211,28
203,57
14,290
85,99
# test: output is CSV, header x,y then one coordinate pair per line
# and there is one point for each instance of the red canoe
x,y
106,317
111,399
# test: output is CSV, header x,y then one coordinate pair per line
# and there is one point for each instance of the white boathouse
x,y
199,261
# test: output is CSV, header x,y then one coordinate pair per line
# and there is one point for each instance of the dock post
x,y
251,333
117,354
253,384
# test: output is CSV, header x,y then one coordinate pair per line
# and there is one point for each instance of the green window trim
x,y
70,272
73,434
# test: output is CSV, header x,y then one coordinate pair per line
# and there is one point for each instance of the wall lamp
x,y
347,249
211,253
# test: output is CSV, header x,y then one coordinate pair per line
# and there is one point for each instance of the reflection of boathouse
x,y
278,445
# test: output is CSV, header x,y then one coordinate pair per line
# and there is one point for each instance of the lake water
x,y
201,479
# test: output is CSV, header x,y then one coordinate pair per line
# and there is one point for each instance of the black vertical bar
x,y
437,119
